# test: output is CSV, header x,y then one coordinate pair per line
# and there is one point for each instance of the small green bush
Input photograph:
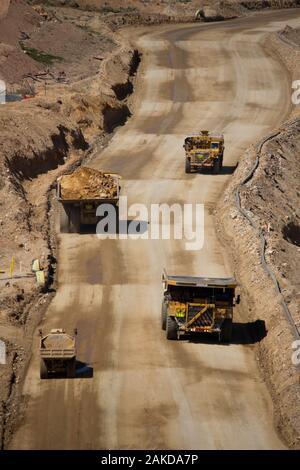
x,y
40,56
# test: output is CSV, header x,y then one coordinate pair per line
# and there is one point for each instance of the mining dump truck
x,y
58,353
198,305
204,150
81,192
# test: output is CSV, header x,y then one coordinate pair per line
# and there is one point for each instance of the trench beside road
x,y
138,390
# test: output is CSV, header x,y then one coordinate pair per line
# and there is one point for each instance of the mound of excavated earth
x,y
291,34
87,183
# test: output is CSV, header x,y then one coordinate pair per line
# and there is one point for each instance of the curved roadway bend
x,y
147,392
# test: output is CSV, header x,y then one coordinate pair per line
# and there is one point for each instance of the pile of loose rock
x,y
88,183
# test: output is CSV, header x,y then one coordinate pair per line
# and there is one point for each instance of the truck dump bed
x,y
81,193
57,345
88,184
191,281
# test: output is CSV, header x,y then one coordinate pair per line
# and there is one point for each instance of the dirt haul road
x,y
147,392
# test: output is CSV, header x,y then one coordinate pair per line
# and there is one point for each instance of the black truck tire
x,y
74,220
226,331
171,328
71,369
216,166
64,220
164,310
187,166
43,370
117,218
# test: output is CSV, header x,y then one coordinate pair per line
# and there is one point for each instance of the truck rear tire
x,y
71,369
164,310
43,370
117,219
226,331
187,166
64,220
171,328
74,220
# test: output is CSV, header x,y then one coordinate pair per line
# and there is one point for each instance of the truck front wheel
x,y
64,220
226,331
43,370
171,328
216,166
164,309
71,369
187,166
74,220
221,162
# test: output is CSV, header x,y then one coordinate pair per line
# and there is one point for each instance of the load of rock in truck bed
x,y
88,183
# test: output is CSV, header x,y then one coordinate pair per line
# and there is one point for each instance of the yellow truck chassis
x,y
77,213
204,150
194,305
57,353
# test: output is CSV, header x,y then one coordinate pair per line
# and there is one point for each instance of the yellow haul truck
x,y
58,353
81,193
204,150
198,305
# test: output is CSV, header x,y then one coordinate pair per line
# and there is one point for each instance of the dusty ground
x,y
117,13
87,95
271,198
41,138
33,42
292,35
144,391
4,8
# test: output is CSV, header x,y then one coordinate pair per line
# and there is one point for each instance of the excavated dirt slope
x,y
118,13
36,47
4,8
82,76
40,139
292,37
268,254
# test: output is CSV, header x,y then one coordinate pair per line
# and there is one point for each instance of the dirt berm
x,y
259,218
118,13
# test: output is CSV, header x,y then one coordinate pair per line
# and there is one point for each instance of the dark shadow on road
x,y
242,333
225,170
84,370
126,226
228,170
249,333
